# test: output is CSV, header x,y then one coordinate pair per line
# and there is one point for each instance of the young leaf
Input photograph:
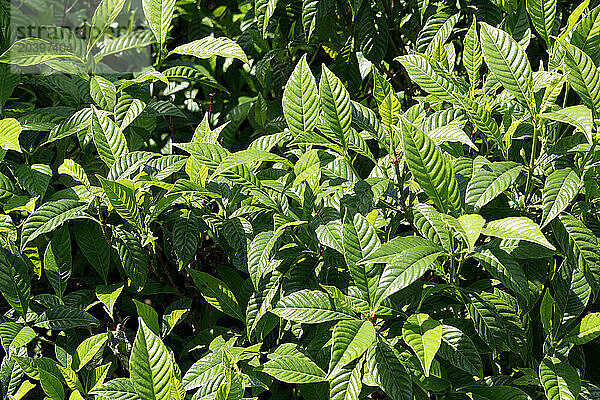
x,y
335,102
300,99
10,129
159,14
472,58
150,365
587,330
424,335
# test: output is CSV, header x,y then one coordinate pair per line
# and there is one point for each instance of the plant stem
x,y
529,184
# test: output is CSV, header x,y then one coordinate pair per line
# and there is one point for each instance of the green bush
x,y
310,199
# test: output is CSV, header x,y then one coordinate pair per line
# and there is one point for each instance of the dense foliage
x,y
303,199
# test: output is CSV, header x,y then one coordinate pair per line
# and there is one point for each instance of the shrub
x,y
306,199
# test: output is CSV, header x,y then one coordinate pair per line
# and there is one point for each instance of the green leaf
x,y
62,318
432,171
116,389
186,236
33,51
122,199
148,315
133,256
508,62
578,116
150,365
572,293
108,295
346,383
49,216
519,228
388,372
58,260
406,267
506,269
108,137
335,102
159,14
103,92
35,178
293,369
579,244
74,170
587,330
459,350
359,241
310,307
88,349
583,76
489,181
420,70
93,245
15,281
423,335
211,46
542,14
351,338
104,15
496,321
247,158
300,99
217,294
260,251
472,58
560,189
559,380
10,129
15,335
